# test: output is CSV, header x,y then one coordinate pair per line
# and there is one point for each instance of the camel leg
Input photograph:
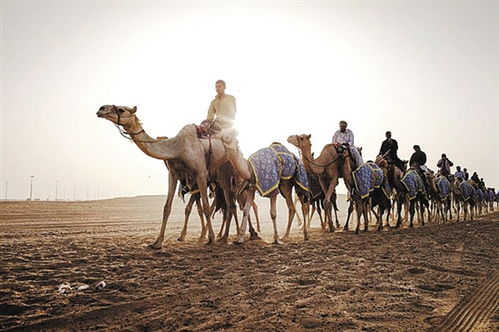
x,y
202,237
273,216
286,188
359,210
203,190
335,207
412,210
406,209
422,207
305,206
249,198
231,211
188,209
172,185
312,212
328,204
255,210
399,210
350,210
365,213
294,206
449,208
319,212
222,227
225,228
253,233
380,218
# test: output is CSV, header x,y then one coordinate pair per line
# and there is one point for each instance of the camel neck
x,y
308,161
158,149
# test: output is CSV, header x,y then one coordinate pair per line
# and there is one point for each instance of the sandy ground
x,y
395,280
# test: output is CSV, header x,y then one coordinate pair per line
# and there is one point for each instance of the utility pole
x,y
56,189
31,188
6,189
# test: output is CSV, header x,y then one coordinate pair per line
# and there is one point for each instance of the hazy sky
x,y
429,72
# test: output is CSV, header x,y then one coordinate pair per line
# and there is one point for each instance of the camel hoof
x,y
222,240
345,229
306,238
356,231
277,242
181,239
238,243
210,242
379,229
154,246
254,237
285,238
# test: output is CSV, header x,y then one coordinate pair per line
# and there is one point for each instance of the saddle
x,y
207,129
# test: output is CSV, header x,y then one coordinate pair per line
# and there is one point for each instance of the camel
x,y
375,198
395,175
316,202
442,201
285,188
185,154
326,167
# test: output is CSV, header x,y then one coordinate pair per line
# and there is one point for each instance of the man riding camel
x,y
418,157
444,165
220,119
345,136
389,149
418,161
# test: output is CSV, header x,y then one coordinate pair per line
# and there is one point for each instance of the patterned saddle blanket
x,y
443,186
274,163
467,190
413,183
481,195
492,194
488,195
369,177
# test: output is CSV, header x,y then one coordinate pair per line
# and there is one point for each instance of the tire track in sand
x,y
474,309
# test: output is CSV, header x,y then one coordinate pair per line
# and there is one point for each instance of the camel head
x,y
120,115
300,141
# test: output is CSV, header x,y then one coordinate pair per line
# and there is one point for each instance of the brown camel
x,y
395,175
285,186
327,167
186,154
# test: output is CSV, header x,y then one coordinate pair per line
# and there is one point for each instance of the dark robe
x,y
418,157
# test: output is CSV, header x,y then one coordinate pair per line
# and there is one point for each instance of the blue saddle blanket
x,y
467,190
481,195
443,186
413,183
369,177
274,163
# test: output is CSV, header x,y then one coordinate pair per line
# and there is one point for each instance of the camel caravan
x,y
205,161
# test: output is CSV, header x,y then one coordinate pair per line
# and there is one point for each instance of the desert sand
x,y
394,280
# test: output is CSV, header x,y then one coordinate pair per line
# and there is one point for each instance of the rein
x,y
315,164
127,134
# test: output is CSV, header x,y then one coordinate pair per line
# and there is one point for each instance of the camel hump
x,y
188,131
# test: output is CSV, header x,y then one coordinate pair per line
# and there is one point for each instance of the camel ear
x,y
308,136
133,110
